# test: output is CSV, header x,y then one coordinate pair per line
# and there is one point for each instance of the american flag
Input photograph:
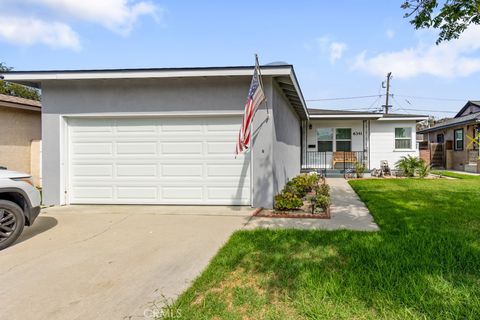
x,y
255,97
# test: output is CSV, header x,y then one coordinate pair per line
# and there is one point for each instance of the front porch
x,y
335,147
333,164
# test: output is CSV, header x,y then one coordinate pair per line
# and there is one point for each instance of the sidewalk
x,y
348,212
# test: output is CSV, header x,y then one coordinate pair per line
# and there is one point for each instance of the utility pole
x,y
387,96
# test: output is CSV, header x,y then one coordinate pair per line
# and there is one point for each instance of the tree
x,y
452,18
17,90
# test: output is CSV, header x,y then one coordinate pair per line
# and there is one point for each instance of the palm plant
x,y
409,165
423,169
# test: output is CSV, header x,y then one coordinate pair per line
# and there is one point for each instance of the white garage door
x,y
156,161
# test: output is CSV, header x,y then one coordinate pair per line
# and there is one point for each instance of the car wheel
x,y
12,221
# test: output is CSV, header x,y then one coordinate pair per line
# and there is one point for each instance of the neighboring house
x,y
453,143
20,135
167,136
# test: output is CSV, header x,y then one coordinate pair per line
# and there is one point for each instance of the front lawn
x,y
423,264
456,175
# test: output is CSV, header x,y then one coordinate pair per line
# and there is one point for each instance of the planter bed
x,y
299,214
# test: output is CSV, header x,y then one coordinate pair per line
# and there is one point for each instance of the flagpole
x,y
257,65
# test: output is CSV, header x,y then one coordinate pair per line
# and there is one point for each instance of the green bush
x,y
319,201
287,201
302,184
323,189
409,165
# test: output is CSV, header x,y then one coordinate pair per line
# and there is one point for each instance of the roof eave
x,y
345,116
35,78
446,126
422,118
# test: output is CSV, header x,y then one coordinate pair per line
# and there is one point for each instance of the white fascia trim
x,y
136,74
345,116
154,114
406,118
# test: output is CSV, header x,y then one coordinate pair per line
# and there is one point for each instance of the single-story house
x,y
20,135
453,144
167,136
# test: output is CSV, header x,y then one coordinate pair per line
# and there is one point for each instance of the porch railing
x,y
342,161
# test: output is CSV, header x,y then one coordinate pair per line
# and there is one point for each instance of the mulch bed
x,y
299,214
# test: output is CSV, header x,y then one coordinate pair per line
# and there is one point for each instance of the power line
x,y
430,98
346,98
343,109
399,104
430,110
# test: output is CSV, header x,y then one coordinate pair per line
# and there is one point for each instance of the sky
x,y
338,48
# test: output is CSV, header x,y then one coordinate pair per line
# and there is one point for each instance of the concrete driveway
x,y
110,262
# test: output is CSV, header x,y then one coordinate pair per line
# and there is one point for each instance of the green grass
x,y
455,175
423,264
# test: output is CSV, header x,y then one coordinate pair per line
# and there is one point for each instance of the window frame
x,y
403,138
455,139
343,140
332,131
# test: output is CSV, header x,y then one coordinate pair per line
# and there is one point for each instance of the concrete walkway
x,y
348,212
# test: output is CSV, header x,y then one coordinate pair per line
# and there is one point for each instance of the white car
x,y
19,205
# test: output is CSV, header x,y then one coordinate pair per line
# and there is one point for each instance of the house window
x,y
325,139
440,138
458,135
343,137
403,138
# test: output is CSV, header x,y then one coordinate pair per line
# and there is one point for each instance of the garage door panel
x,y
182,125
157,161
181,148
92,170
227,171
182,170
182,193
133,193
85,127
89,192
228,193
136,170
136,148
136,127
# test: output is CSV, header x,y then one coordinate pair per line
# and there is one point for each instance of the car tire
x,y
12,221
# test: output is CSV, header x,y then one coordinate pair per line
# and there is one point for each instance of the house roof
x,y
347,114
21,103
468,104
455,122
283,74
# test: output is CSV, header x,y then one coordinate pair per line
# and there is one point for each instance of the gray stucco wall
x,y
262,131
222,94
286,141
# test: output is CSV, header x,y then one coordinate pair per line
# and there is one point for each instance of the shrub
x,y
287,201
323,189
319,201
409,165
302,184
359,169
423,169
